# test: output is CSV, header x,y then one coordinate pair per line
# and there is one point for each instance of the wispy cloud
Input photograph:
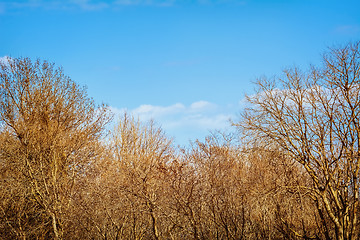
x,y
194,121
347,29
96,5
237,2
150,111
90,5
85,5
2,8
145,2
5,60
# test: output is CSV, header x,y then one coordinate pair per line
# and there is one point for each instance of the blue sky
x,y
185,63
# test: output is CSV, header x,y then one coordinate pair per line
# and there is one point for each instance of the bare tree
x,y
315,118
142,152
220,171
50,130
278,202
128,200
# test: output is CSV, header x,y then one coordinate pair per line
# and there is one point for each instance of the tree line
x,y
289,170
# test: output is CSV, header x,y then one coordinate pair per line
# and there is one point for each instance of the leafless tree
x,y
50,130
127,199
314,117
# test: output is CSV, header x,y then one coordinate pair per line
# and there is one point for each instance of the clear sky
x,y
185,63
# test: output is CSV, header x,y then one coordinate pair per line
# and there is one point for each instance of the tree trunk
x,y
55,229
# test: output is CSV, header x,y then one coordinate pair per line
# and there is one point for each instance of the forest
x,y
288,170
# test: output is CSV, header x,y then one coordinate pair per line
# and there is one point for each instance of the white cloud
x,y
347,29
147,112
86,5
194,121
89,5
95,5
132,2
145,2
5,60
202,105
172,2
2,8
